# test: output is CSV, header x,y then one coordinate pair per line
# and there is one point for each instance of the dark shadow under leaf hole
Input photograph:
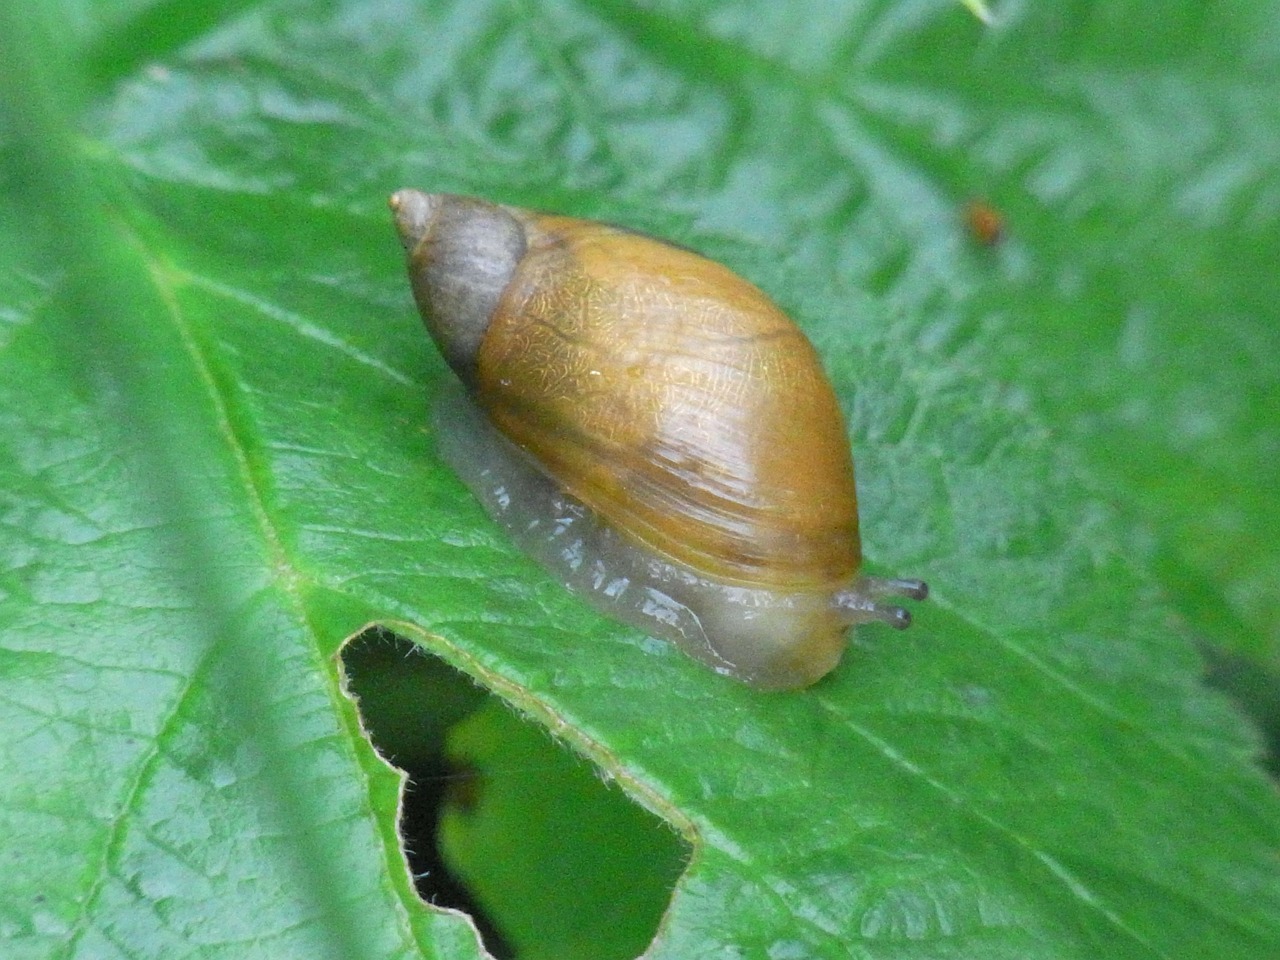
x,y
1255,690
501,822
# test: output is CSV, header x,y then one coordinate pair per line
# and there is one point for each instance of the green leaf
x,y
215,464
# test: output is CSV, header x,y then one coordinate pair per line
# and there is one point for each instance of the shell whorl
x,y
462,254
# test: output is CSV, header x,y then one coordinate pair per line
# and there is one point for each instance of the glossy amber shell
x,y
673,398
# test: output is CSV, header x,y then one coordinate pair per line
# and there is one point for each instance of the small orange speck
x,y
985,222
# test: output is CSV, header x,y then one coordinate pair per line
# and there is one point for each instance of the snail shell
x,y
652,428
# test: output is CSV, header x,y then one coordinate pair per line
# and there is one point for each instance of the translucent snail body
x,y
652,428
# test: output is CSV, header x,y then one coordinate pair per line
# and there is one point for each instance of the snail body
x,y
652,428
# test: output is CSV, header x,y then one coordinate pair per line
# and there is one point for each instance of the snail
x,y
651,428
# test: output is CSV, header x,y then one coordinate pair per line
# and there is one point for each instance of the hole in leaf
x,y
500,821
1255,690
